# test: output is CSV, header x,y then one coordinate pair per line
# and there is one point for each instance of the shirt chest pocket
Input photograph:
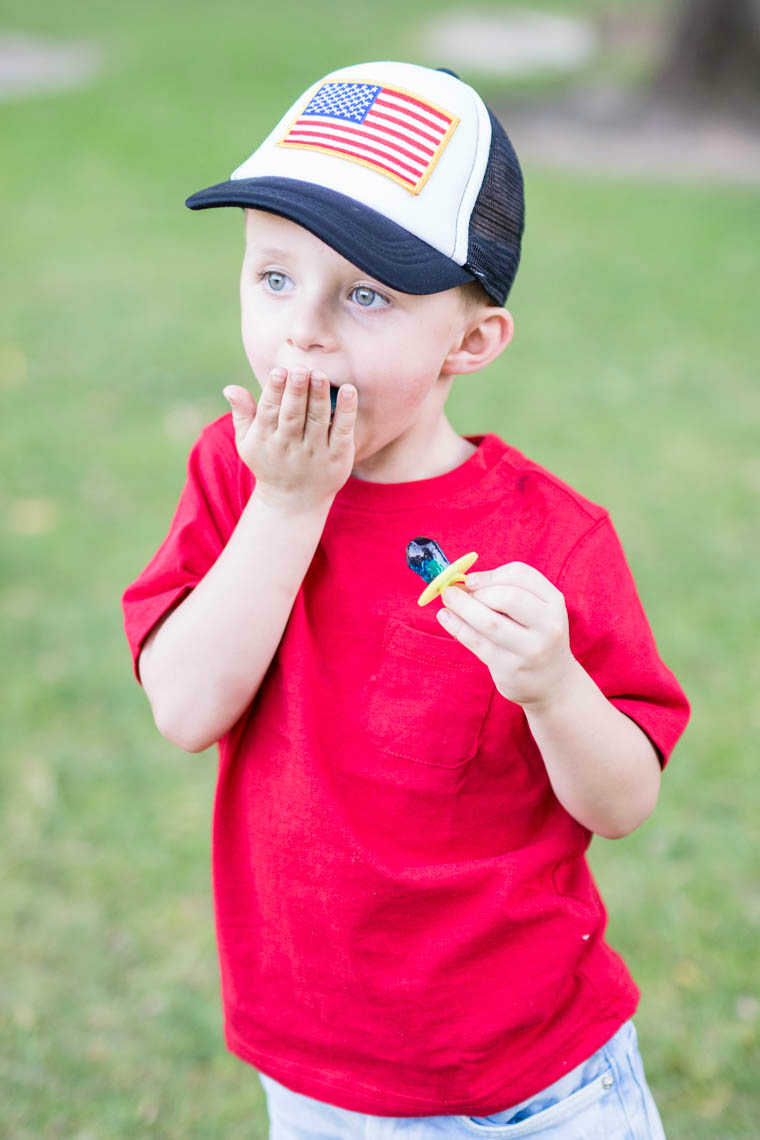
x,y
429,698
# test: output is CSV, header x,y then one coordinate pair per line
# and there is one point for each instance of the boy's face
x,y
304,304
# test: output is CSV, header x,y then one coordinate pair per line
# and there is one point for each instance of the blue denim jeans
x,y
605,1098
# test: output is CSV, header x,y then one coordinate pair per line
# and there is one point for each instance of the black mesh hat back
x,y
498,218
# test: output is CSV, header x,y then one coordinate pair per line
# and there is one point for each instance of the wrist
x,y
562,693
290,505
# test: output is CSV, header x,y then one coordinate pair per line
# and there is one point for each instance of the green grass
x,y
633,375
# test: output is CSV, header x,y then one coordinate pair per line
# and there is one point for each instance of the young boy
x,y
409,936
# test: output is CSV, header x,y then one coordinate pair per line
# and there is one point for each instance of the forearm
x,y
202,666
603,768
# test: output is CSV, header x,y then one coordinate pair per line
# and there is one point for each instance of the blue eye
x,y
368,298
276,281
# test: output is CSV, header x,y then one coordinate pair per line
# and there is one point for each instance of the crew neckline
x,y
363,494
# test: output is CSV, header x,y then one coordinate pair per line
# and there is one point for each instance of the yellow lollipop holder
x,y
454,572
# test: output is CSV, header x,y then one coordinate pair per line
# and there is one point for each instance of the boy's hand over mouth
x,y
299,457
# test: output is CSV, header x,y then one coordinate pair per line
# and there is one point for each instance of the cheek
x,y
257,341
246,323
419,354
392,398
252,349
409,370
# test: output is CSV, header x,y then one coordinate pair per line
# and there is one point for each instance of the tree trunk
x,y
713,55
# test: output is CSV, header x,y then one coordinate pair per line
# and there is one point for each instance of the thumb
x,y
243,408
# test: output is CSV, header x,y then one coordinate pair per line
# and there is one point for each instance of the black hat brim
x,y
366,238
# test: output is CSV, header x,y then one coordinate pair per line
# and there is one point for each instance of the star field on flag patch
x,y
387,129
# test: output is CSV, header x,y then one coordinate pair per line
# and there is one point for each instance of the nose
x,y
311,327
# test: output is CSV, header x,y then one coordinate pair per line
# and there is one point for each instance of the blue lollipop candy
x,y
425,557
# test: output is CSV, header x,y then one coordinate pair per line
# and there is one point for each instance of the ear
x,y
485,336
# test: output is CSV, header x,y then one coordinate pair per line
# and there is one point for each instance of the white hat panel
x,y
439,212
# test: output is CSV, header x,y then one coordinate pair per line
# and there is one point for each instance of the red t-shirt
x,y
406,922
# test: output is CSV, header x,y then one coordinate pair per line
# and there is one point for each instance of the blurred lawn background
x,y
632,375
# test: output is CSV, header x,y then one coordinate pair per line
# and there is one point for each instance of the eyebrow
x,y
271,251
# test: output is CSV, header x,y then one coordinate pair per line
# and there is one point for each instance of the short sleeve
x,y
611,637
209,507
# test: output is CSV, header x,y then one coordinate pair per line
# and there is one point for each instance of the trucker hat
x,y
401,169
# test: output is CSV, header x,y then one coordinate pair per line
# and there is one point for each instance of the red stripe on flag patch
x,y
420,159
325,138
385,128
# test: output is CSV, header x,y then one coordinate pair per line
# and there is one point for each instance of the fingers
x,y
478,643
517,574
243,408
516,622
318,410
268,411
345,416
297,406
515,602
475,623
293,404
287,441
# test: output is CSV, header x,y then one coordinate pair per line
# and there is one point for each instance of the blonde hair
x,y
475,297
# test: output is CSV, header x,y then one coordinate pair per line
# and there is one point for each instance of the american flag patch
x,y
385,128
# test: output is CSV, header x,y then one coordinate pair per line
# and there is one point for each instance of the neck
x,y
408,459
